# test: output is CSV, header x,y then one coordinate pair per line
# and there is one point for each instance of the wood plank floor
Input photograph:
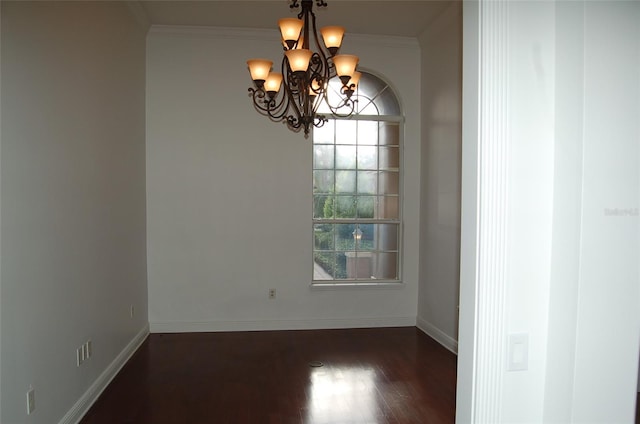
x,y
381,376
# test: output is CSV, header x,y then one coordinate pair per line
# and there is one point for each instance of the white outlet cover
x,y
31,400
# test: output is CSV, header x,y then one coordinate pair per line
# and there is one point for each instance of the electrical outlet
x,y
272,293
89,349
132,311
31,400
79,356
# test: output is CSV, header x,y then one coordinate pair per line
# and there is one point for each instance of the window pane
x,y
389,158
386,266
388,103
367,157
345,207
367,237
367,182
368,133
389,182
320,204
345,157
323,181
388,207
367,107
387,236
323,235
324,265
323,157
366,207
326,207
345,236
340,266
370,85
359,265
324,134
346,132
389,133
346,182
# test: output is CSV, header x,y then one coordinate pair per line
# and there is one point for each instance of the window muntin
x,y
356,192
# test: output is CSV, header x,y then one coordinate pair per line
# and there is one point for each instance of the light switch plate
x,y
518,353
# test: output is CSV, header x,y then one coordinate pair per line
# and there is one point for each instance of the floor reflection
x,y
342,395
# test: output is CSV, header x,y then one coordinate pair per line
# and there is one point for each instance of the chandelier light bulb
x,y
299,59
273,83
259,70
290,30
332,37
345,66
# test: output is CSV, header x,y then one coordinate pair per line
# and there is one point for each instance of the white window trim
x,y
347,284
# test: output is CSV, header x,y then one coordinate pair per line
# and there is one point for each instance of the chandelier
x,y
295,94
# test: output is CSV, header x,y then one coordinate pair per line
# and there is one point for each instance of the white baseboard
x,y
267,325
85,402
438,335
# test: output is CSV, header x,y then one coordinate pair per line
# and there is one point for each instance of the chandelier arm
x,y
348,103
325,72
259,99
263,104
322,54
291,92
277,111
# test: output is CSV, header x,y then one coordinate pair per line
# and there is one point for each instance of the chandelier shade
x,y
294,94
290,30
332,37
259,69
273,83
345,66
298,59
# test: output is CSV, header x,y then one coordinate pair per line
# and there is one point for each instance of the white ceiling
x,y
390,17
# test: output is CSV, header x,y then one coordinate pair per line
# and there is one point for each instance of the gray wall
x,y
229,192
72,198
441,94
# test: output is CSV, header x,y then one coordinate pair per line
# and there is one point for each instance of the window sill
x,y
356,285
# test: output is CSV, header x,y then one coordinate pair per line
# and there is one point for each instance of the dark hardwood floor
x,y
382,375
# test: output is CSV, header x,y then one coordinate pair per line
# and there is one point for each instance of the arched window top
x,y
357,188
374,97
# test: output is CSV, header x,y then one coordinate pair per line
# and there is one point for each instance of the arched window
x,y
356,190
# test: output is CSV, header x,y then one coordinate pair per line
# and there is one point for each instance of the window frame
x,y
398,222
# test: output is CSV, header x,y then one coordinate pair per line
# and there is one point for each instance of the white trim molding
x,y
273,325
484,253
493,172
77,411
438,335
